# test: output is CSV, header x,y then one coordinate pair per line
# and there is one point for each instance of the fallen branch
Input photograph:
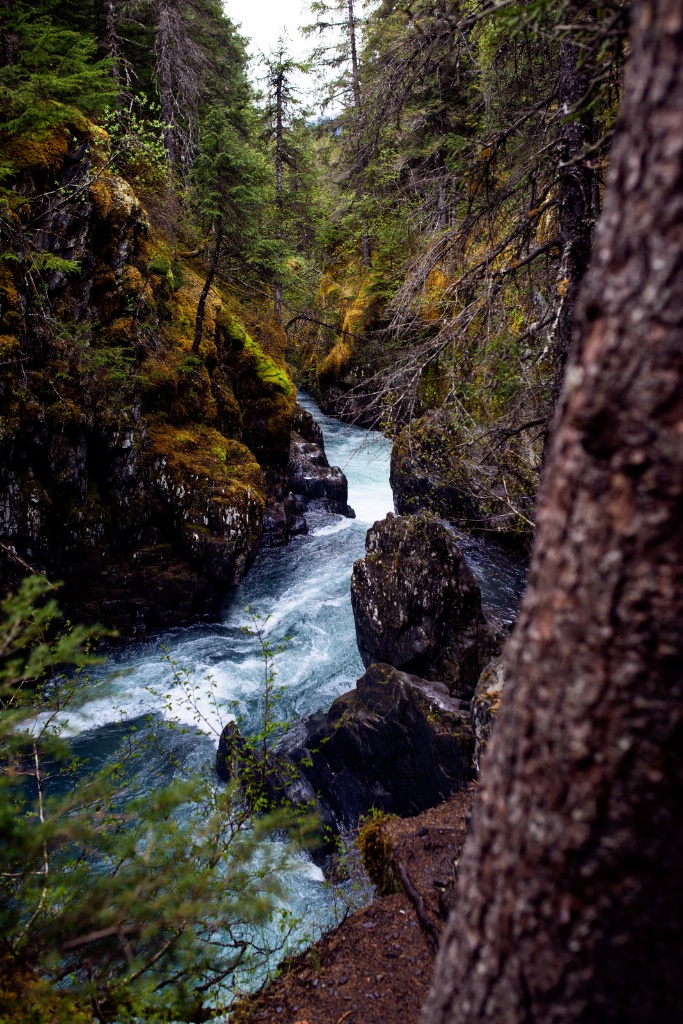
x,y
426,923
17,558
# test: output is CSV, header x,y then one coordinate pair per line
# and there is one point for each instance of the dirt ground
x,y
375,968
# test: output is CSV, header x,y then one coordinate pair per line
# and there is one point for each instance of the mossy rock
x,y
228,412
9,346
230,330
178,384
332,367
9,296
115,201
267,399
160,265
121,332
37,151
266,371
201,455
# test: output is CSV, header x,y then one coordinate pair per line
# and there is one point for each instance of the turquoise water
x,y
302,595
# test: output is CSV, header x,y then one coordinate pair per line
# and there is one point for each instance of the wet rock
x,y
396,742
304,425
485,707
417,605
233,753
437,467
309,474
283,520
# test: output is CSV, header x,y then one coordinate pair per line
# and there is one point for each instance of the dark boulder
x,y
283,520
396,742
233,754
309,474
417,605
304,425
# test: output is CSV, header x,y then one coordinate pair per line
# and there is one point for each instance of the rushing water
x,y
301,595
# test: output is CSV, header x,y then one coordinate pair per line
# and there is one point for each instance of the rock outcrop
x,y
437,467
307,477
396,742
133,469
283,520
304,425
417,605
310,475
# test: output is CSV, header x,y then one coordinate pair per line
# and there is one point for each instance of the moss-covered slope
x,y
132,469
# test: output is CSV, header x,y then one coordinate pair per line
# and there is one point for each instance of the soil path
x,y
376,967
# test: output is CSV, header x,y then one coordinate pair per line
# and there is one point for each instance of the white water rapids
x,y
303,592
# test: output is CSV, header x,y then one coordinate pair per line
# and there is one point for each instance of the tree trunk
x,y
355,81
113,47
7,37
201,305
279,166
571,891
355,74
576,213
165,79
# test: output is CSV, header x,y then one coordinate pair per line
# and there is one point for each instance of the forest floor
x,y
375,968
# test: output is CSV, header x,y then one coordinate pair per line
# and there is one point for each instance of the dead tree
x,y
165,78
575,186
570,901
201,305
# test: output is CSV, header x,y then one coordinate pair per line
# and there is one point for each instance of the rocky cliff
x,y
133,469
484,482
417,605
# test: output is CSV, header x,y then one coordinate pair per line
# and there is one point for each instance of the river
x,y
301,594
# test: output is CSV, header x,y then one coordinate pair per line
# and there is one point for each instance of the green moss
x,y
376,853
41,150
202,454
157,375
9,346
178,385
232,329
159,265
266,370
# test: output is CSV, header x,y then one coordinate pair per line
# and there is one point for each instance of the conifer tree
x,y
281,99
114,907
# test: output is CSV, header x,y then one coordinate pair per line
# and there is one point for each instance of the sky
x,y
263,21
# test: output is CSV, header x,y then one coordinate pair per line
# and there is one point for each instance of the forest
x,y
269,725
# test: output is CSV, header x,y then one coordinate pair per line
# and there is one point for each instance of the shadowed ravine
x,y
304,592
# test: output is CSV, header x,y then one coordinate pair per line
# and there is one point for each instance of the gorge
x,y
291,398
302,595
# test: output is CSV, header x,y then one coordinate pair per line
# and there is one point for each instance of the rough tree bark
x,y
576,214
7,37
355,81
113,46
571,890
